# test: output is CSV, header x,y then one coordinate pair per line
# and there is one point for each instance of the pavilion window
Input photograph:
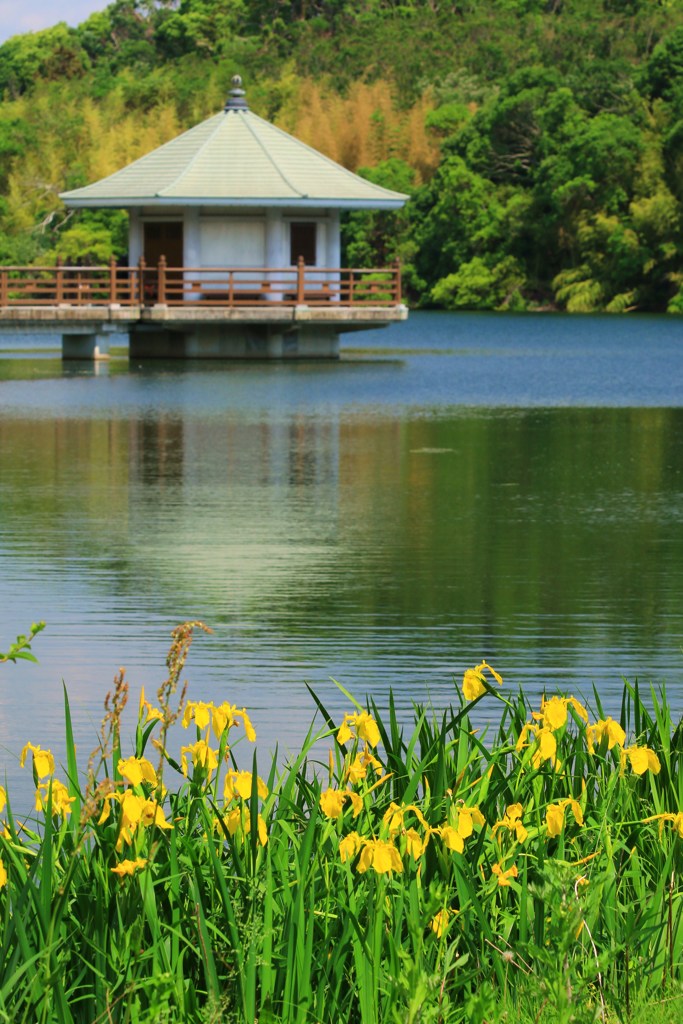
x,y
302,242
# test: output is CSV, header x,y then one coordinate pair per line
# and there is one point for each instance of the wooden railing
x,y
62,285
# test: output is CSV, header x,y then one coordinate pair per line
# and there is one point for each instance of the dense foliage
x,y
542,140
430,874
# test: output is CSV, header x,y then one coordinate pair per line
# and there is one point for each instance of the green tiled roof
x,y
235,159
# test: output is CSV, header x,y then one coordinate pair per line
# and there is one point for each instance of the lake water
x,y
458,487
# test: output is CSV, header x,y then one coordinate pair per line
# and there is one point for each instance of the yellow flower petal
x,y
356,802
332,802
367,729
504,876
132,808
349,847
129,867
415,844
499,679
473,684
344,734
135,769
578,707
249,730
554,819
440,922
576,811
554,713
43,761
451,838
642,759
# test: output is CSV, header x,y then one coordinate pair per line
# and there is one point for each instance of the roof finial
x,y
236,100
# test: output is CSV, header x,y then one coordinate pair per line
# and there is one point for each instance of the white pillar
x,y
135,238
276,257
333,254
191,238
192,247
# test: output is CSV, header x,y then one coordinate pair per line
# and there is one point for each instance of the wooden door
x,y
163,238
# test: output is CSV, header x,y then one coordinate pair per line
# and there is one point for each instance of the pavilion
x,y
236,225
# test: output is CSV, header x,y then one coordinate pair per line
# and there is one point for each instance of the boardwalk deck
x,y
214,312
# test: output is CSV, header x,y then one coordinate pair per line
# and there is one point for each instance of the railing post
x,y
351,283
141,280
300,281
397,281
4,301
112,280
59,281
231,289
161,285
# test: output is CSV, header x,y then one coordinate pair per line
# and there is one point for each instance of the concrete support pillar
x,y
236,341
313,342
85,346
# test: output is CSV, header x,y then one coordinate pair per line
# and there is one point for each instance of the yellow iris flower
x,y
153,814
452,839
474,681
43,761
380,855
468,817
232,820
512,821
3,799
147,713
3,875
361,725
221,717
642,759
440,921
358,769
132,808
135,810
394,815
460,827
332,802
553,712
135,769
240,784
605,728
675,819
61,801
129,867
503,875
415,843
349,846
203,756
554,815
238,824
545,744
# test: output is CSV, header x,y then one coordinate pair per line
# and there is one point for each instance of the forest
x,y
541,141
